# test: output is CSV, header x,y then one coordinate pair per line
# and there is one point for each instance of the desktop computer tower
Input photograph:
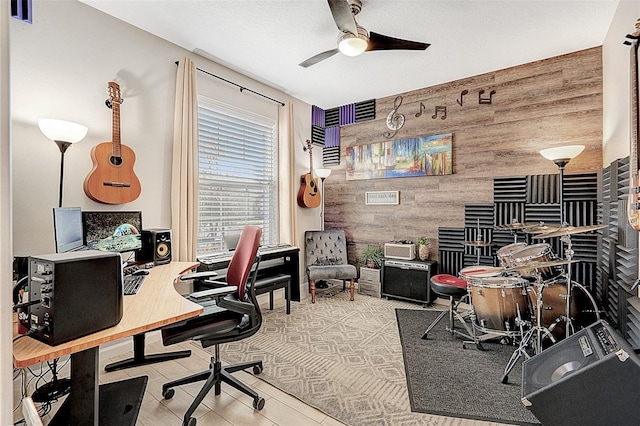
x,y
79,292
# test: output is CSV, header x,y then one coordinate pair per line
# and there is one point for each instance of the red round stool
x,y
450,287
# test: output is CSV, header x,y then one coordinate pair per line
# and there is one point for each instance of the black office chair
x,y
231,313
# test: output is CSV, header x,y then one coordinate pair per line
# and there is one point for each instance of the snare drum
x,y
535,253
497,301
505,254
479,271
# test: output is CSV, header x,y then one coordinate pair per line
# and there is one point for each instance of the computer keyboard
x,y
132,283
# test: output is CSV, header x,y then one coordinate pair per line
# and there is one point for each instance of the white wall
x,y
616,83
61,65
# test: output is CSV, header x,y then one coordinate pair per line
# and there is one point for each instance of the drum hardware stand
x,y
453,311
536,331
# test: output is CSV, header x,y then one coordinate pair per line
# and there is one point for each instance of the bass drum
x,y
584,310
497,301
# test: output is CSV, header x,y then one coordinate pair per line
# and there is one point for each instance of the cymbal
x,y
541,228
479,243
540,265
514,225
569,230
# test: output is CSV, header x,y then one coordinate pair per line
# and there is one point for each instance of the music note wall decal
x,y
482,100
440,109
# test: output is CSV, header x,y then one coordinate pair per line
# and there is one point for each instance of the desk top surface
x,y
156,304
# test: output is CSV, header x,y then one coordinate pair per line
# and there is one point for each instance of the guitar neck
x,y
635,130
311,162
115,129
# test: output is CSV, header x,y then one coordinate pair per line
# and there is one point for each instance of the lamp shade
x,y
61,130
323,173
562,152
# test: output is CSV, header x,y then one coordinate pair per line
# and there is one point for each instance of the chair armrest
x,y
214,292
198,275
236,305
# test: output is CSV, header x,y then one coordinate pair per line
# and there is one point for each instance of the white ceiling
x,y
267,39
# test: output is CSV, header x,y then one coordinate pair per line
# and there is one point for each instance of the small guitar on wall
x,y
112,179
309,195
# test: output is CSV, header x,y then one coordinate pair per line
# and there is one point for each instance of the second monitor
x,y
117,231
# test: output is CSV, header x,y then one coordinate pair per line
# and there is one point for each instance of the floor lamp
x,y
63,133
561,156
322,174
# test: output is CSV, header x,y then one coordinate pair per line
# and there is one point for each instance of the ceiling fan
x,y
354,39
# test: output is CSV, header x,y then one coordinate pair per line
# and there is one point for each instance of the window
x,y
238,174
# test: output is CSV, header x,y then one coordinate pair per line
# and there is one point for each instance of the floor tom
x,y
584,311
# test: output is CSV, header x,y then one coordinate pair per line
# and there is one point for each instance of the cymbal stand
x,y
566,239
478,239
538,332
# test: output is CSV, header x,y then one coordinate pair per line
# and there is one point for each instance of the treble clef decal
x,y
395,121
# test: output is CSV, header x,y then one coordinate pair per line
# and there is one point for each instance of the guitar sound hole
x,y
116,161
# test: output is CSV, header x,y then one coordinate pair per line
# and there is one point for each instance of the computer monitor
x,y
116,231
67,228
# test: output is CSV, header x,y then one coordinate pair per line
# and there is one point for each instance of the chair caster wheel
x,y
505,379
258,403
257,369
168,394
191,422
479,346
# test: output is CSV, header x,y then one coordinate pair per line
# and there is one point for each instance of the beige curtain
x,y
286,168
184,170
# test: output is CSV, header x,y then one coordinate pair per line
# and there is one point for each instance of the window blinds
x,y
238,174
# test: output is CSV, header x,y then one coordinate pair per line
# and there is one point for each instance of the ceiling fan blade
x,y
317,58
383,42
341,12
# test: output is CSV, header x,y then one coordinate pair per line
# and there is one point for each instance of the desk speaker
x,y
590,378
156,246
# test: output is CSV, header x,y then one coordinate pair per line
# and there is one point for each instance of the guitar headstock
x,y
309,146
113,89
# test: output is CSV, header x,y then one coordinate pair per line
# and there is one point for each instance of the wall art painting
x,y
419,156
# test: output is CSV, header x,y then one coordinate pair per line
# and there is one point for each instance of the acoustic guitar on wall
x,y
633,203
112,179
308,194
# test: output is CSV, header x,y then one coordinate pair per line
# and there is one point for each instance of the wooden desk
x,y
156,304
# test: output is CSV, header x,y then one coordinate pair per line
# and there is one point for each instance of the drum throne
x,y
454,289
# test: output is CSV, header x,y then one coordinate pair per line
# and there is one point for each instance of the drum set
x,y
530,300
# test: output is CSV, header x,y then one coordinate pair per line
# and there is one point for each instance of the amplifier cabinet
x,y
408,280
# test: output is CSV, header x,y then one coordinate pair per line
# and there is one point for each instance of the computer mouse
x,y
141,272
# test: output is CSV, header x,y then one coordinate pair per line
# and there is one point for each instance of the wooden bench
x,y
271,283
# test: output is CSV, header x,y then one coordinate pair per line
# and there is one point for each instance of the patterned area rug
x,y
342,357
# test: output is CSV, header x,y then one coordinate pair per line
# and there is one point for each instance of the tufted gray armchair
x,y
326,258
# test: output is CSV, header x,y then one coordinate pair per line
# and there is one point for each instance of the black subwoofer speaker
x,y
590,378
156,246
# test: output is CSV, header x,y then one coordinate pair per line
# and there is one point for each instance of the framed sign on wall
x,y
382,198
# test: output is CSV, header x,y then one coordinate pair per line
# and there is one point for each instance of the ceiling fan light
x,y
352,45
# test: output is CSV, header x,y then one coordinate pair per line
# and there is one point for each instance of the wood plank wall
x,y
552,102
